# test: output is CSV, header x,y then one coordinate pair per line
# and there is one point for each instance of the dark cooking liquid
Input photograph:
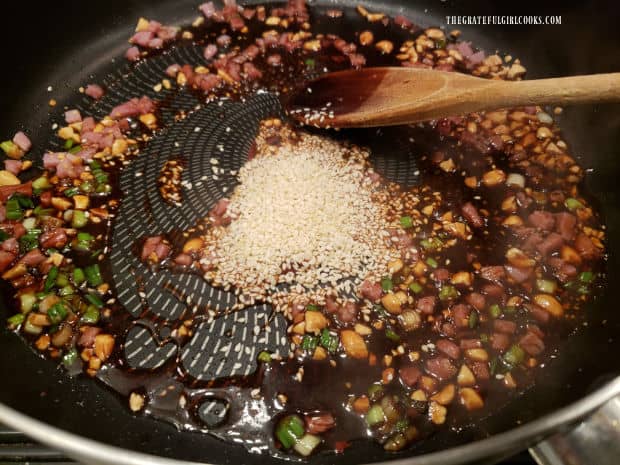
x,y
174,396
253,402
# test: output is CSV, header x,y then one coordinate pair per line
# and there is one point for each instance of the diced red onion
x,y
142,38
207,9
22,141
94,91
210,51
132,54
13,166
173,70
73,116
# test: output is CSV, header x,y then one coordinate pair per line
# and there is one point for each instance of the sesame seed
x,y
326,228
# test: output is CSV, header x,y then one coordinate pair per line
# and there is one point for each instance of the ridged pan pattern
x,y
228,344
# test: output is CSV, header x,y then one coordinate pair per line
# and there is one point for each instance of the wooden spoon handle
x,y
566,90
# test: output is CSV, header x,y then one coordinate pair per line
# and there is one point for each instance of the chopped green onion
x,y
79,219
514,356
75,149
313,308
94,165
83,241
546,285
70,358
50,280
83,246
10,148
309,343
433,243
13,210
33,231
103,189
32,329
573,204
386,284
264,357
4,235
406,222
307,444
430,261
375,392
16,319
101,177
23,200
310,62
86,187
66,290
78,276
495,310
448,293
375,416
493,365
57,312
29,241
586,276
62,280
95,300
329,341
391,335
71,191
289,430
40,211
27,301
472,322
484,338
91,315
41,183
68,144
93,275
415,287
85,237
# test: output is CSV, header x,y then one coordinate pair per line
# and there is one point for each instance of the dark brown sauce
x,y
175,396
165,386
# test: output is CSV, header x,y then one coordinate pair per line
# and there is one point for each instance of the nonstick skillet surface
x,y
68,44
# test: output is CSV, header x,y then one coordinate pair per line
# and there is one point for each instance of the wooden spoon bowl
x,y
398,95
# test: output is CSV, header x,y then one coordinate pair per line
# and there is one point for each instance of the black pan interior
x,y
66,44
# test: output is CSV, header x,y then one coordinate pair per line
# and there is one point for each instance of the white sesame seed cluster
x,y
304,216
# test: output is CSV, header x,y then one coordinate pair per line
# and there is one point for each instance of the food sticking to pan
x,y
409,308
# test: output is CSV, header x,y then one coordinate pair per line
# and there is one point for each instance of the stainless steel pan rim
x,y
93,452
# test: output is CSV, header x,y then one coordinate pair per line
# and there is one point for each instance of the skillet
x,y
68,44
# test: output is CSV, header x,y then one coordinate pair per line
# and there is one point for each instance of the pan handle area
x,y
594,440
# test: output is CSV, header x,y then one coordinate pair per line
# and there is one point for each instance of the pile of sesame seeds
x,y
304,222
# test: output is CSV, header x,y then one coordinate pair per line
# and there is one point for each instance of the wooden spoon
x,y
391,96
